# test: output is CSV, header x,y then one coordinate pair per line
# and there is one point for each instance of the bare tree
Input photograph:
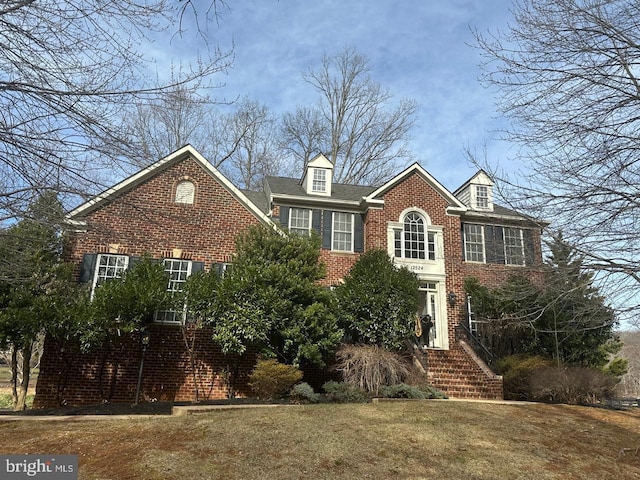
x,y
240,143
353,123
168,122
629,385
69,69
568,77
256,156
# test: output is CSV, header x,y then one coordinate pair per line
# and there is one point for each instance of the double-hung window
x,y
482,196
473,242
513,246
177,271
108,267
319,182
300,221
342,231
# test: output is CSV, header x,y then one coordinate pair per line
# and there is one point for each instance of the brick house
x,y
182,210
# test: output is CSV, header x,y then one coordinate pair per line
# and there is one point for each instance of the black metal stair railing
x,y
464,333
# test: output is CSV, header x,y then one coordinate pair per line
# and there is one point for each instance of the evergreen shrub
x,y
303,392
516,371
341,392
271,379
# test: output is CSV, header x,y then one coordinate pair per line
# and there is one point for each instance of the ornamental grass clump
x,y
370,367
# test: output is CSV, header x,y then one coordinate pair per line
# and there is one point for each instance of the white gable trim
x,y
455,205
480,177
320,161
142,175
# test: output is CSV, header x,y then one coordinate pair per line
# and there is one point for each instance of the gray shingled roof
x,y
500,211
259,199
339,191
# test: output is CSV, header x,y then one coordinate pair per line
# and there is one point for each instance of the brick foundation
x,y
83,379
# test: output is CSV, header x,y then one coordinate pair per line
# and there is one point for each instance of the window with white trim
x,y
185,192
482,196
342,232
300,221
178,271
414,241
319,183
473,242
513,246
109,266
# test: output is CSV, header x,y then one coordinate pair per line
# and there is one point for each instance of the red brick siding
x,y
338,265
73,379
145,220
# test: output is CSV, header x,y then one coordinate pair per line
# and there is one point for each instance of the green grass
x,y
5,373
5,400
5,389
390,440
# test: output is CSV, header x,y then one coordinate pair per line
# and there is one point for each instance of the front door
x,y
428,313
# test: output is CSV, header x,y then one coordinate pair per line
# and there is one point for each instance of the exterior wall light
x,y
452,298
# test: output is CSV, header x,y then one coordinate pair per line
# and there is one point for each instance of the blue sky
x,y
417,49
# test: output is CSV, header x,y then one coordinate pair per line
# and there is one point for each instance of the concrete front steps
x,y
460,373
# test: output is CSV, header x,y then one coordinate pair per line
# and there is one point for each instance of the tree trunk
x,y
190,346
21,394
14,376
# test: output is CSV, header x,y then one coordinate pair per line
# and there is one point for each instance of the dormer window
x,y
477,192
482,196
317,177
319,184
185,192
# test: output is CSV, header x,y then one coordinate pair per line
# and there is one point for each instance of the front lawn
x,y
403,440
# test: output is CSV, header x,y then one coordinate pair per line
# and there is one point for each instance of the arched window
x,y
414,241
413,236
185,192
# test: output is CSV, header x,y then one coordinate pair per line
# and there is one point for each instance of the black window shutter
x,y
327,227
489,244
132,261
284,217
358,230
88,267
316,221
218,268
498,237
529,250
494,244
197,267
